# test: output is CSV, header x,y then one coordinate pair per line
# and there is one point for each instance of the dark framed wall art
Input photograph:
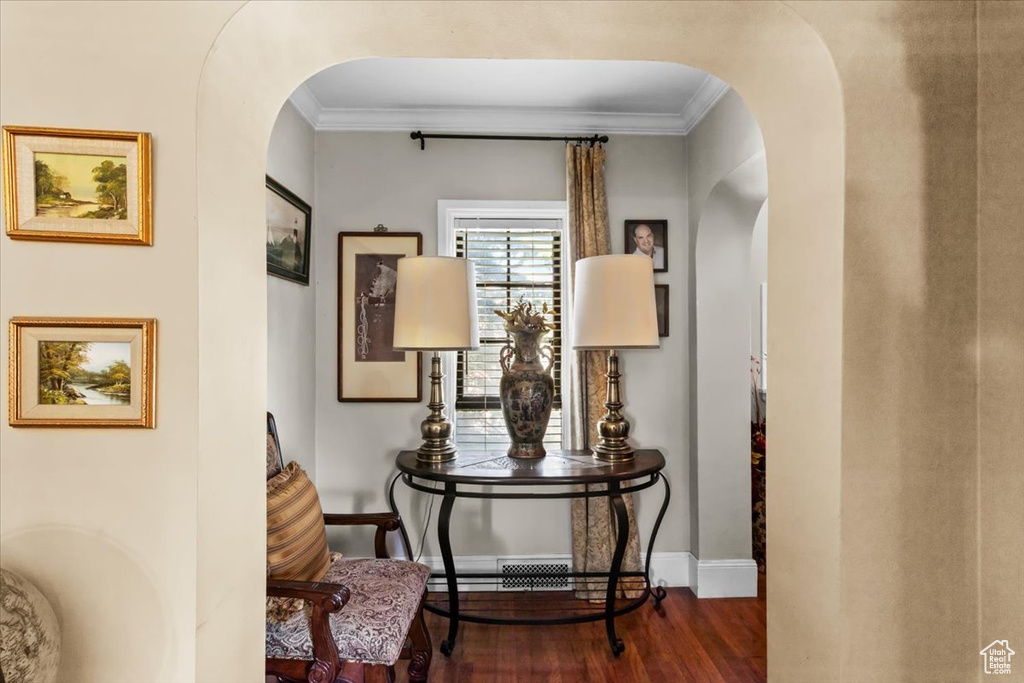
x,y
661,305
289,223
648,238
369,368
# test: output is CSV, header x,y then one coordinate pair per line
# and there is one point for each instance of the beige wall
x,y
910,486
104,521
179,528
1001,324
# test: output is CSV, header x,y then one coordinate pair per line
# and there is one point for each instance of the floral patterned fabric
x,y
274,462
758,509
372,626
594,532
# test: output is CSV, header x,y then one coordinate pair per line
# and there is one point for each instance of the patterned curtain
x,y
593,520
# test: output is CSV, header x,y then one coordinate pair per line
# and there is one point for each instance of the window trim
x,y
449,211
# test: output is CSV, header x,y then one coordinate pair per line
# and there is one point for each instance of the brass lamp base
x,y
436,429
613,429
440,452
437,442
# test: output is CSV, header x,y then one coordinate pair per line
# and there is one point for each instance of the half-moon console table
x,y
560,474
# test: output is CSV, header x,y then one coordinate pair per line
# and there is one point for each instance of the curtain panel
x,y
593,520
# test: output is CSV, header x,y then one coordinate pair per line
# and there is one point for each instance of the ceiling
x,y
558,97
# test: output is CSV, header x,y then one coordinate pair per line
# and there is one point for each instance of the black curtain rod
x,y
422,137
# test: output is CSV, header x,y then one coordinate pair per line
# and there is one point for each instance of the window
x,y
516,256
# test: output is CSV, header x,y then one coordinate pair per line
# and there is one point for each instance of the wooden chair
x,y
364,612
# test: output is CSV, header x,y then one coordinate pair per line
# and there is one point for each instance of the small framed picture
x,y
81,372
648,238
78,185
289,222
369,367
661,305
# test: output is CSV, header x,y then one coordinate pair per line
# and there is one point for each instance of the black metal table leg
x,y
622,534
658,592
444,519
401,523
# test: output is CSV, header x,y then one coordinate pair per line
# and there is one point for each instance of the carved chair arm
x,y
326,598
384,521
330,596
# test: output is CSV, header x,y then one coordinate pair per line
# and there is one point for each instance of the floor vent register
x,y
526,575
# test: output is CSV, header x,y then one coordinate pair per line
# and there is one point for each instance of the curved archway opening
x,y
766,52
723,265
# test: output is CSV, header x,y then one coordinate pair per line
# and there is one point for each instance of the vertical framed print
x,y
369,368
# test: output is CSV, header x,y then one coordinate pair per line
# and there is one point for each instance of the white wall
x,y
291,357
758,275
723,367
369,178
724,139
646,177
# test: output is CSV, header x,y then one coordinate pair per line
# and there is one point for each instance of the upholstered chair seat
x,y
384,598
330,617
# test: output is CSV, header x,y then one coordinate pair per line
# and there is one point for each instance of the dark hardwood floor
x,y
706,641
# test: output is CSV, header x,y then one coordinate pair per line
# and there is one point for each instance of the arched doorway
x,y
722,262
770,56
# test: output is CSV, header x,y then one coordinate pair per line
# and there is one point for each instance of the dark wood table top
x,y
557,467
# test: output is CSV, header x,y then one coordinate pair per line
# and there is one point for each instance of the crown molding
x,y
308,105
509,121
706,97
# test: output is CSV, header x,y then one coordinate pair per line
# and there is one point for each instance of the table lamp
x,y
435,310
614,309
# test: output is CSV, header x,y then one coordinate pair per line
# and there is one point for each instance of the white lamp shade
x,y
614,304
435,304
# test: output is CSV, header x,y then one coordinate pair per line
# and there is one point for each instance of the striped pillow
x,y
296,540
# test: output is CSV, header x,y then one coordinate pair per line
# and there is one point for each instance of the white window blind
x,y
514,258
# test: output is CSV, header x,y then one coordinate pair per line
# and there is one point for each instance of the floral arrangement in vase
x,y
527,388
758,463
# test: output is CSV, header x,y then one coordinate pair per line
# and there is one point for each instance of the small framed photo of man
x,y
649,238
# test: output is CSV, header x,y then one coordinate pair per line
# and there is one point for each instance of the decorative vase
x,y
527,391
29,634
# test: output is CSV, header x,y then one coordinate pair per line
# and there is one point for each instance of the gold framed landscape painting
x,y
81,372
77,185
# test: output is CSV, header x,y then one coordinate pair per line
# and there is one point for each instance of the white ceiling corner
x,y
308,105
698,106
508,96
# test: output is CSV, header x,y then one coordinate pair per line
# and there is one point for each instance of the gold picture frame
x,y
81,372
68,185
